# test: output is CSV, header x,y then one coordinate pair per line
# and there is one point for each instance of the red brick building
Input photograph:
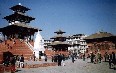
x,y
102,42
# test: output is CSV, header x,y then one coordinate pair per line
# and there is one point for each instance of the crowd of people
x,y
60,58
96,58
111,58
20,61
14,60
93,57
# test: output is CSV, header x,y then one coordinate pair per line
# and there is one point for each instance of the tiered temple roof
x,y
18,23
59,35
59,42
17,16
19,8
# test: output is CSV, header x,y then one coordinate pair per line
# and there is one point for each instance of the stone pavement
x,y
79,66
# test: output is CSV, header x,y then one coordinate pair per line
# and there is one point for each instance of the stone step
x,y
40,65
17,49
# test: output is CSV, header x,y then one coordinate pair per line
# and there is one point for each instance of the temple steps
x,y
32,43
16,47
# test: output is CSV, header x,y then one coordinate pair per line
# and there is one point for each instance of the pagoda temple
x,y
101,42
18,27
18,35
59,43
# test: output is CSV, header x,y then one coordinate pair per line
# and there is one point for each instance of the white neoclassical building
x,y
47,44
78,43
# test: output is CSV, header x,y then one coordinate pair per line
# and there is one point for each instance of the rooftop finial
x,y
19,3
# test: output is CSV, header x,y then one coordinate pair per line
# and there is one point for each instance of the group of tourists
x,y
96,58
59,58
14,60
20,61
111,58
32,57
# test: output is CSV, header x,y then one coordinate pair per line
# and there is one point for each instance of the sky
x,y
72,16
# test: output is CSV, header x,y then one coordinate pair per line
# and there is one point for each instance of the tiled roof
x,y
99,35
19,7
57,36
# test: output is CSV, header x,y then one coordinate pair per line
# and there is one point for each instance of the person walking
x,y
113,59
59,59
100,58
84,57
72,58
52,58
18,61
106,56
110,60
21,61
92,57
34,57
45,58
63,60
